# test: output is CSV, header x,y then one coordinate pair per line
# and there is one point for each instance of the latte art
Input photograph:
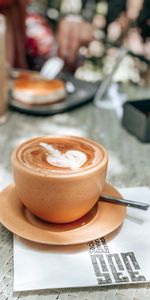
x,y
72,159
59,155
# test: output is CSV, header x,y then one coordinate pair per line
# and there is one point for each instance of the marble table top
x,y
129,165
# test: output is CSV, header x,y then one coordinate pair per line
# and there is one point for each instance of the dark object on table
x,y
129,203
84,93
136,118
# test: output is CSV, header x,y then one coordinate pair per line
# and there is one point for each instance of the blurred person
x,y
125,21
124,18
75,28
40,40
129,26
73,32
15,10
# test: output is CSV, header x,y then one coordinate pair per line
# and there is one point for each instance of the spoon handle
x,y
126,202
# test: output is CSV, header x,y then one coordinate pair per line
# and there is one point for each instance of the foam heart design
x,y
72,159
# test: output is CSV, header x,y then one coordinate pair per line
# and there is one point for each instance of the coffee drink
x,y
59,178
59,154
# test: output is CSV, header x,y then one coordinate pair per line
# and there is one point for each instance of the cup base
x,y
102,220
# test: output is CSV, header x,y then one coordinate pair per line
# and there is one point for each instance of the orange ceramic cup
x,y
59,178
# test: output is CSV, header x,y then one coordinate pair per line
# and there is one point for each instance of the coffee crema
x,y
59,154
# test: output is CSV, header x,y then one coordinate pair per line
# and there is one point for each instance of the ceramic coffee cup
x,y
59,178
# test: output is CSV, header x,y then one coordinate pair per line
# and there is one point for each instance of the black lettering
x,y
101,270
98,246
132,266
117,268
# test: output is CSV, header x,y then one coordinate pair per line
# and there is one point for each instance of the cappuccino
x,y
59,178
59,154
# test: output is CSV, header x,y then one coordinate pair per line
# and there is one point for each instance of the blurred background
x,y
86,34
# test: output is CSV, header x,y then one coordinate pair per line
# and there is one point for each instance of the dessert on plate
x,y
32,90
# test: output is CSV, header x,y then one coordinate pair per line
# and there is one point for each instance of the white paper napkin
x,y
125,259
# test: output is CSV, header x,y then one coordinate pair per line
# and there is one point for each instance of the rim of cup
x,y
99,165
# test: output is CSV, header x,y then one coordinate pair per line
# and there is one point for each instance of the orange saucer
x,y
102,219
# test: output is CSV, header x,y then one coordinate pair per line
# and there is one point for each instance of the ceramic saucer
x,y
102,220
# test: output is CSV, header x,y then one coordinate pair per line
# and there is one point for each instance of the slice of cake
x,y
38,91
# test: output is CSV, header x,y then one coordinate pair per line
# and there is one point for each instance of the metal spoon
x,y
115,200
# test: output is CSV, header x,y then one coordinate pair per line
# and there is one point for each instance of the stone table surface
x,y
129,165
